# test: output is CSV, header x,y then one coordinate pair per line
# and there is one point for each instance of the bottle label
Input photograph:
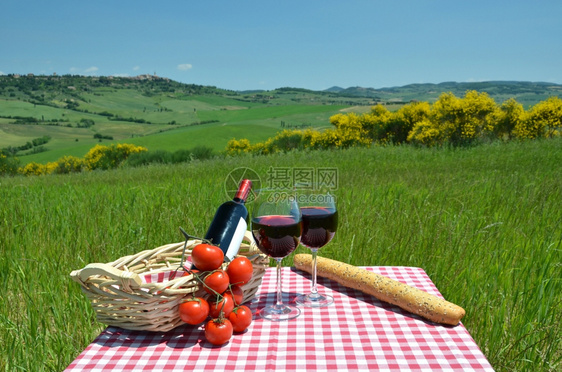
x,y
237,238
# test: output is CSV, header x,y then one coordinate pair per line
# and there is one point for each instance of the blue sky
x,y
313,44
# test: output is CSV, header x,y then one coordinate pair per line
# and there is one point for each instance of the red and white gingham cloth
x,y
356,333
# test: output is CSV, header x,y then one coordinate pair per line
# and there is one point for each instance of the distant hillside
x,y
44,89
527,93
45,117
60,91
335,89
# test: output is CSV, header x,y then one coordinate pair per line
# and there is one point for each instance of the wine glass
x,y
277,227
320,221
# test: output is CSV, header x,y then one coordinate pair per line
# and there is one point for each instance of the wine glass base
x,y
280,312
315,300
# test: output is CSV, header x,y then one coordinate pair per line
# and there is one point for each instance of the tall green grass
x,y
483,222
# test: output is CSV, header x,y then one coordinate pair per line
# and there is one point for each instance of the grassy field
x,y
483,222
256,124
152,120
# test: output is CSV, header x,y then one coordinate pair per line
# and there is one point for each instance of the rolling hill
x,y
76,112
526,93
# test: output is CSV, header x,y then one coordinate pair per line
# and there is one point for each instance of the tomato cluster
x,y
225,294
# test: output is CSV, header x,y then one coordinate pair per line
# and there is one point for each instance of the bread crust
x,y
385,289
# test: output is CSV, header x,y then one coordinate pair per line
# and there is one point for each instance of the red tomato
x,y
241,318
240,270
237,294
218,331
194,311
216,282
207,257
190,272
224,304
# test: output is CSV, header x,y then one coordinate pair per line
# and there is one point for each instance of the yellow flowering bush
x,y
511,114
94,156
99,157
237,147
463,120
286,140
376,122
543,120
403,121
69,164
109,157
259,148
37,169
310,136
350,120
33,169
351,130
371,125
378,125
283,141
445,115
342,137
327,139
51,167
425,133
479,110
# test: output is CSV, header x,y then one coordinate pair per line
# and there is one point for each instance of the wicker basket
x,y
142,292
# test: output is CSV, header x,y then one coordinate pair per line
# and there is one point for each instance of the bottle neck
x,y
243,191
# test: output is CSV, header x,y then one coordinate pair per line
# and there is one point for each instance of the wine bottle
x,y
230,222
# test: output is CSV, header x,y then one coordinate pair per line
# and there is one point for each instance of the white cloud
x,y
184,67
2,73
477,80
91,69
136,68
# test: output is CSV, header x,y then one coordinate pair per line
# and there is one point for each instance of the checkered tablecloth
x,y
357,333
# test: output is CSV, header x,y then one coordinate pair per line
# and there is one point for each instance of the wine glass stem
x,y
314,289
279,292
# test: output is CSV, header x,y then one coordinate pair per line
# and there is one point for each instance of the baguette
x,y
385,289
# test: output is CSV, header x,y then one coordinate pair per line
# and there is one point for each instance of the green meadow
x,y
217,127
159,115
484,222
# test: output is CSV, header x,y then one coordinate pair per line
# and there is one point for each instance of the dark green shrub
x,y
8,164
181,156
149,157
202,152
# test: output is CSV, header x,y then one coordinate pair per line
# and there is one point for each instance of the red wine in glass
x,y
277,228
319,226
320,222
276,236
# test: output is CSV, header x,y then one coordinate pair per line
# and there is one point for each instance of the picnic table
x,y
356,333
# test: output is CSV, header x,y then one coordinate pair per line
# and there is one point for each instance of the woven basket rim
x,y
121,295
